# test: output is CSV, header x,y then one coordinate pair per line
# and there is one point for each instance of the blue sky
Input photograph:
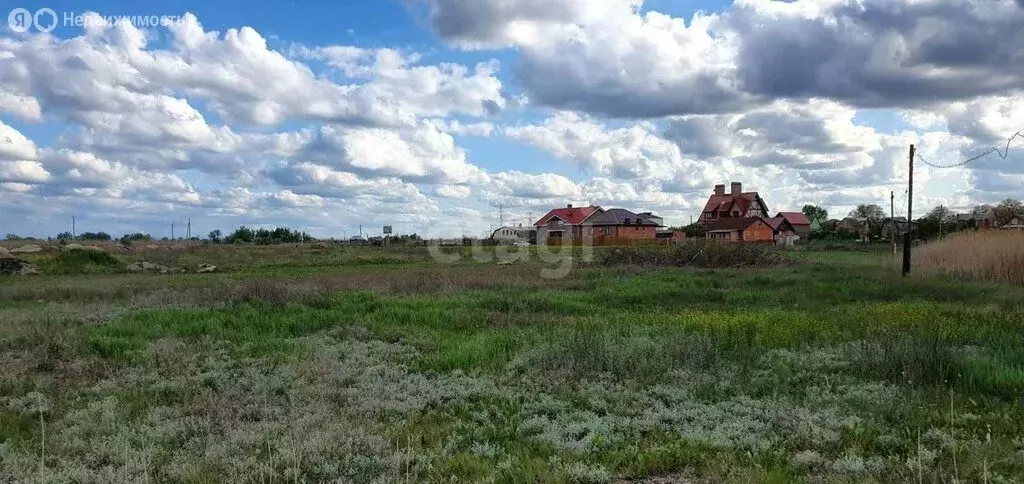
x,y
429,114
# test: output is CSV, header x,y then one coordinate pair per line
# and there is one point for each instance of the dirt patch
x,y
16,267
146,266
80,246
26,249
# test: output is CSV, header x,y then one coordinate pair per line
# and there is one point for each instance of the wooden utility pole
x,y
892,218
74,234
910,215
188,230
172,230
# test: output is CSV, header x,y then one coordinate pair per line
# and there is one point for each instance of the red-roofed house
x,y
735,204
801,224
565,222
784,232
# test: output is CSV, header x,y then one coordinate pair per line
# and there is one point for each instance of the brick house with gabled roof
x,y
735,204
619,224
785,233
565,222
740,229
801,224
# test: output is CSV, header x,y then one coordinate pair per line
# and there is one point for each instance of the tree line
x,y
937,221
241,235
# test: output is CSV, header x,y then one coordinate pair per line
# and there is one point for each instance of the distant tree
x,y
241,235
279,235
981,210
868,211
136,237
94,236
939,220
12,237
815,213
215,236
694,231
874,215
1007,210
64,236
941,214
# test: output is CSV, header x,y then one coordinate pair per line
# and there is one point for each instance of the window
x,y
607,231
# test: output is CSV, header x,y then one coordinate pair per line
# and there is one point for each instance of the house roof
x,y
854,222
731,224
794,218
724,203
779,222
899,221
620,216
520,230
571,216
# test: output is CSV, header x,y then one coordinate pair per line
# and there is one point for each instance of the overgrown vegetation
x,y
995,255
101,236
695,253
279,235
83,261
829,368
135,238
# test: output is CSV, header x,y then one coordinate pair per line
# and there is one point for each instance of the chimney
x,y
737,188
719,189
568,206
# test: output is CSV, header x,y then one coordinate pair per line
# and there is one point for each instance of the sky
x,y
448,117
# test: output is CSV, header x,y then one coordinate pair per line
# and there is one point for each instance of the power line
x,y
995,149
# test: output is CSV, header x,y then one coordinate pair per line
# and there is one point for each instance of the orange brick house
x,y
618,225
741,229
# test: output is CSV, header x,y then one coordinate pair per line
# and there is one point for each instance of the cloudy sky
x,y
430,114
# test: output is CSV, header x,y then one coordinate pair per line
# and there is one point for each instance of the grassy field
x,y
316,363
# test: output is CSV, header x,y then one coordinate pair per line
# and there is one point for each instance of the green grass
x,y
825,367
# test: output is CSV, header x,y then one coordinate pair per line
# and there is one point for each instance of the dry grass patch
x,y
987,255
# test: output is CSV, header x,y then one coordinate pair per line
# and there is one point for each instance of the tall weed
x,y
993,255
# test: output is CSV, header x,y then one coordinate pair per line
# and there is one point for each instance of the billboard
x,y
387,229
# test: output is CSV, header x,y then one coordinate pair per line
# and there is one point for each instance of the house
x,y
620,225
1015,224
982,220
896,227
801,224
653,218
564,224
854,226
824,225
512,235
783,231
670,235
740,229
735,204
